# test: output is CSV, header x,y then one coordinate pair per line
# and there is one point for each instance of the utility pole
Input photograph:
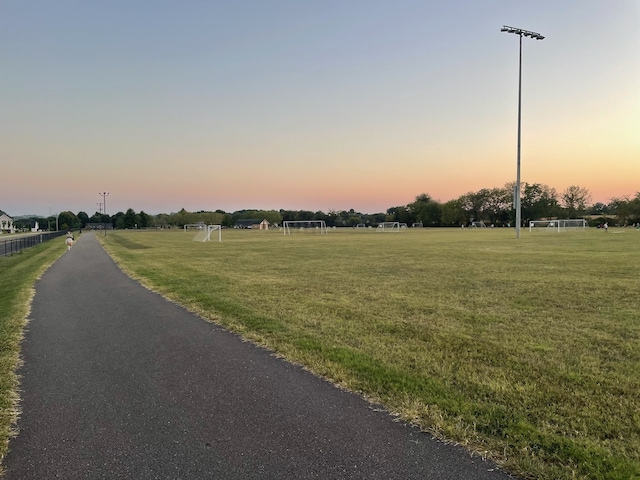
x,y
104,206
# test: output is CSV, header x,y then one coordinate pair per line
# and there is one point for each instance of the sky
x,y
311,105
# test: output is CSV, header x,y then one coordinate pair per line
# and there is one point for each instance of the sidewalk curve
x,y
118,383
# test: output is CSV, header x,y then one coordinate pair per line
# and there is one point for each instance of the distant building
x,y
6,223
247,223
99,226
252,223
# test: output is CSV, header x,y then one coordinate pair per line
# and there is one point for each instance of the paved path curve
x,y
119,383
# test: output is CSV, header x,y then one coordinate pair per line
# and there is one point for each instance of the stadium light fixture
x,y
104,207
536,36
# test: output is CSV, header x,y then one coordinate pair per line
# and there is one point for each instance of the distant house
x,y
264,224
247,223
99,226
6,223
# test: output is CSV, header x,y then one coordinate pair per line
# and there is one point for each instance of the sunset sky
x,y
312,104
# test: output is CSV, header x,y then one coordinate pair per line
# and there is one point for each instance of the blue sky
x,y
310,105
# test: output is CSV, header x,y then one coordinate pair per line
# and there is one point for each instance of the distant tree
x,y
68,221
331,218
145,220
634,209
598,208
622,208
374,219
51,222
474,205
84,219
304,215
497,205
423,198
539,201
287,215
129,220
400,214
425,210
117,221
575,200
227,221
271,216
453,214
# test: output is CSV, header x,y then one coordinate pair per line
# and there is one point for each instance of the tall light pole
x,y
520,32
104,207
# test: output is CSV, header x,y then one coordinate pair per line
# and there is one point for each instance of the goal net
x,y
558,225
478,225
389,227
304,226
204,234
195,226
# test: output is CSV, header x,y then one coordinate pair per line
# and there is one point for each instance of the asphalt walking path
x,y
117,382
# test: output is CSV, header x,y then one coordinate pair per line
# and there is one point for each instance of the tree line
x,y
492,206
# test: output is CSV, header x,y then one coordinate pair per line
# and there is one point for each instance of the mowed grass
x,y
527,351
18,273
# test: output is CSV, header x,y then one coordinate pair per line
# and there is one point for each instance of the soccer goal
x,y
478,225
388,227
204,234
558,225
304,226
195,226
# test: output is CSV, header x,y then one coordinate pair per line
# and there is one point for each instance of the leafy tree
x,y
331,218
400,214
498,204
288,215
622,208
68,221
227,220
474,205
84,219
304,215
539,201
453,214
129,220
145,220
117,221
598,208
271,216
426,210
575,199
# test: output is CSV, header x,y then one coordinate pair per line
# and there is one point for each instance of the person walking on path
x,y
130,385
69,240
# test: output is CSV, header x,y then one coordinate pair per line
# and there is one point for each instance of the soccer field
x,y
525,350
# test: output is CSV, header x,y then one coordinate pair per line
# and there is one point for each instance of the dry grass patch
x,y
18,273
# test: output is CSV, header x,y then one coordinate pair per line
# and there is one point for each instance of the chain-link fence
x,y
17,244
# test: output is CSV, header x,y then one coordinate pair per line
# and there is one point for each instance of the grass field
x,y
526,351
17,276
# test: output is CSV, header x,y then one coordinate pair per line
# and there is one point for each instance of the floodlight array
x,y
521,32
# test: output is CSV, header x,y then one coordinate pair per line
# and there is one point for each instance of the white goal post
x,y
558,225
390,227
195,226
315,226
204,235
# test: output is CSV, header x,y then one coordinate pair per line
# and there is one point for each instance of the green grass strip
x,y
18,274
